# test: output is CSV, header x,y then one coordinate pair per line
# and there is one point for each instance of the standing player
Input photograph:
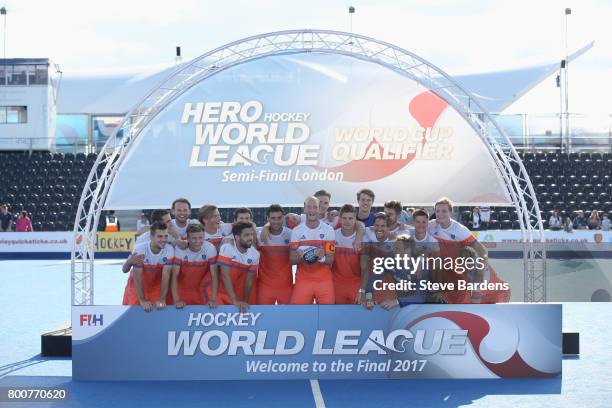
x,y
274,277
346,269
238,265
330,218
210,218
162,216
148,283
194,276
312,250
365,200
176,235
452,236
381,245
425,243
393,209
181,208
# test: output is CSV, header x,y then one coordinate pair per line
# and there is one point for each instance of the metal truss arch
x,y
498,144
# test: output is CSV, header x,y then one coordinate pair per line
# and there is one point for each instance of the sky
x,y
459,36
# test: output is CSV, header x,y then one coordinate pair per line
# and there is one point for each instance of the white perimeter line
x,y
316,393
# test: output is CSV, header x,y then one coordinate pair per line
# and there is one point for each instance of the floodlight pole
x,y
568,11
3,13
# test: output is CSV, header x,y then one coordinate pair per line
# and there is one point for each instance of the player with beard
x,y
274,277
181,208
242,214
393,209
312,250
346,269
177,226
238,265
149,280
329,217
382,244
452,236
194,276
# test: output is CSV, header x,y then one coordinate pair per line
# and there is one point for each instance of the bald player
x,y
312,250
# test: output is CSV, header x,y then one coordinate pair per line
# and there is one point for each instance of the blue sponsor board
x,y
327,342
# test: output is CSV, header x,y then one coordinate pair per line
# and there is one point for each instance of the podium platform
x,y
323,342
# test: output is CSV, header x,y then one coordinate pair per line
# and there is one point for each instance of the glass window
x,y
41,76
71,131
2,114
16,114
30,70
2,75
18,75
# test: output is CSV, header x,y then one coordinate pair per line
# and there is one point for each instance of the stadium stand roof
x,y
116,93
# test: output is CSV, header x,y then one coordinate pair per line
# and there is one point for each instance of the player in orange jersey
x,y
346,269
312,250
194,278
149,281
452,236
238,264
274,277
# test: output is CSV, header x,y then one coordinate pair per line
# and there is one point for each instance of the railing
x,y
30,144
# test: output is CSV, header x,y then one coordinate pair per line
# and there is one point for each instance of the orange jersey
x,y
194,277
451,240
152,268
216,238
305,238
274,264
346,260
240,264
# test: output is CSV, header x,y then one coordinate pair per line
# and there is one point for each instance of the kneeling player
x,y
194,277
238,265
148,282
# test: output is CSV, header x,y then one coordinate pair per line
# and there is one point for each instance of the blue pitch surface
x,y
35,298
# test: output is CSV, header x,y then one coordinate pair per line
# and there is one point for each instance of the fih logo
x,y
91,320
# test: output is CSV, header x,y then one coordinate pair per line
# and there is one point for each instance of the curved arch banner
x,y
279,128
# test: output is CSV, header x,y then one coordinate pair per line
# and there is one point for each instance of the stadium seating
x,y
49,186
564,182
